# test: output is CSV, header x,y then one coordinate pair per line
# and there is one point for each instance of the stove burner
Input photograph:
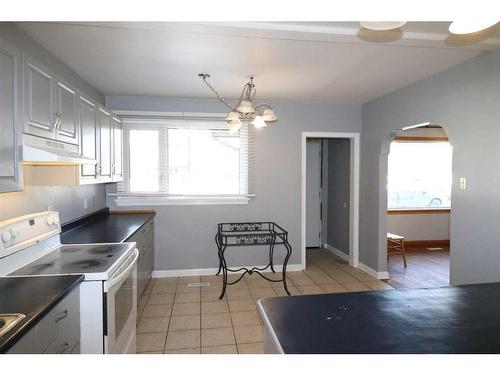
x,y
101,250
88,264
41,267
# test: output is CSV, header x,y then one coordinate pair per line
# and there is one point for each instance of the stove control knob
x,y
14,233
56,220
6,236
50,220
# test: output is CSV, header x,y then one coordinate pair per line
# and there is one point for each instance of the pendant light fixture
x,y
382,25
470,26
245,111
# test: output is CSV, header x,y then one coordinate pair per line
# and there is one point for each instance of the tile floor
x,y
175,318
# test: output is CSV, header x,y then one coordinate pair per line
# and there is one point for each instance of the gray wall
x,y
338,193
464,99
67,200
185,234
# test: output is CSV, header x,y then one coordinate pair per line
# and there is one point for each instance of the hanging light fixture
x,y
470,26
382,25
258,115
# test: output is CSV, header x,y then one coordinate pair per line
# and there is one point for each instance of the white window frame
x,y
125,199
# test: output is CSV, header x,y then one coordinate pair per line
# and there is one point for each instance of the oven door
x,y
121,307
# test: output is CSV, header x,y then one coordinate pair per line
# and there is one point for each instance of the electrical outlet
x,y
50,207
462,183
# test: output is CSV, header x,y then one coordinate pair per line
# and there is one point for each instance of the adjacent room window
x,y
419,175
185,158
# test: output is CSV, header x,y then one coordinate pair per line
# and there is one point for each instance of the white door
x,y
313,188
67,110
105,146
89,141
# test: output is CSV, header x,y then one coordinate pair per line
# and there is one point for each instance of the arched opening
x,y
418,179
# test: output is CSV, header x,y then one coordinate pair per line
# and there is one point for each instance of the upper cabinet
x,y
117,165
89,139
66,109
105,172
10,117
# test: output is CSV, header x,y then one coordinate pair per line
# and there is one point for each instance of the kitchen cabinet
x,y
66,108
10,117
144,239
89,139
117,165
104,167
57,333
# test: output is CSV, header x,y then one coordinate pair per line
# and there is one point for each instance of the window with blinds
x,y
186,157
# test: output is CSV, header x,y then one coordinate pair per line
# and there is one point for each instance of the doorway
x,y
419,178
314,205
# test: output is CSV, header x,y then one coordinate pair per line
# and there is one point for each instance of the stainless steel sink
x,y
8,321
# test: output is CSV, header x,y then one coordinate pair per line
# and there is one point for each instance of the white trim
x,y
154,200
370,271
213,271
354,196
215,115
337,252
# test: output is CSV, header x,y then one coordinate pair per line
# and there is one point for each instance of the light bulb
x,y
259,122
245,106
470,26
269,115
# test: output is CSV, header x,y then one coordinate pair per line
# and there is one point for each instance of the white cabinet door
x,y
38,101
89,139
67,111
105,146
117,150
10,118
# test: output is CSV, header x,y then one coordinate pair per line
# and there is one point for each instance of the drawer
x,y
67,339
57,319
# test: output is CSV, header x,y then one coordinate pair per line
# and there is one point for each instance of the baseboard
x,y
370,271
213,271
427,243
337,252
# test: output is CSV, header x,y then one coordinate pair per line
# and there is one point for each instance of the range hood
x,y
44,151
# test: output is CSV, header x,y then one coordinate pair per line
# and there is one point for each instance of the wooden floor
x,y
426,268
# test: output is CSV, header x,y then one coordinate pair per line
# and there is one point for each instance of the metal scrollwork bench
x,y
251,234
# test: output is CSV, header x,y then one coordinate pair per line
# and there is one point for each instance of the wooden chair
x,y
396,245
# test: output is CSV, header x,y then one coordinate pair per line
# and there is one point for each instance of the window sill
x,y
159,200
418,211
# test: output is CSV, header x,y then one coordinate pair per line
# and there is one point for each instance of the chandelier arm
x,y
218,95
263,105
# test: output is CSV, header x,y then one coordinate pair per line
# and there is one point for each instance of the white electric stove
x,y
30,246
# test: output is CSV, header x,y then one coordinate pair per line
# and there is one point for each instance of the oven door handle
x,y
118,278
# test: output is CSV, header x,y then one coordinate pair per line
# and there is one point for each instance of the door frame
x,y
354,192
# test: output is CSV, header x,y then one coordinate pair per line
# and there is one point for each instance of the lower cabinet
x,y
144,239
57,333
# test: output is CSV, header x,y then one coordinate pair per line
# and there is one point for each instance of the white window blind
x,y
186,157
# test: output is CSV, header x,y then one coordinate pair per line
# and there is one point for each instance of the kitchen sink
x,y
7,321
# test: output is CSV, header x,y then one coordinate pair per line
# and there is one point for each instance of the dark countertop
x,y
463,319
34,297
104,227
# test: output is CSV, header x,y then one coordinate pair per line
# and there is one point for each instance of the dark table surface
x,y
33,297
463,319
104,227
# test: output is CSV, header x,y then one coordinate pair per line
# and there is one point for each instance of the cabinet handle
x,y
65,348
63,315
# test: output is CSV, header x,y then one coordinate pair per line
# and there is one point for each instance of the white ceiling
x,y
304,61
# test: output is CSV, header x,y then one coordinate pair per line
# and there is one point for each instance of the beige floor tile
x,y
303,281
245,318
310,289
184,322
254,348
214,307
333,288
249,334
222,349
237,294
219,320
187,297
208,296
323,280
345,279
183,339
293,291
154,311
143,299
148,342
166,280
263,292
163,288
188,279
150,325
356,287
377,285
242,305
185,288
258,284
154,352
192,308
217,336
161,299
364,277
211,278
183,351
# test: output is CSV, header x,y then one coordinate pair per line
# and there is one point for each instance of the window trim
x,y
124,199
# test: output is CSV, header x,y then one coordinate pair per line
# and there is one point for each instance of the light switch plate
x,y
462,183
